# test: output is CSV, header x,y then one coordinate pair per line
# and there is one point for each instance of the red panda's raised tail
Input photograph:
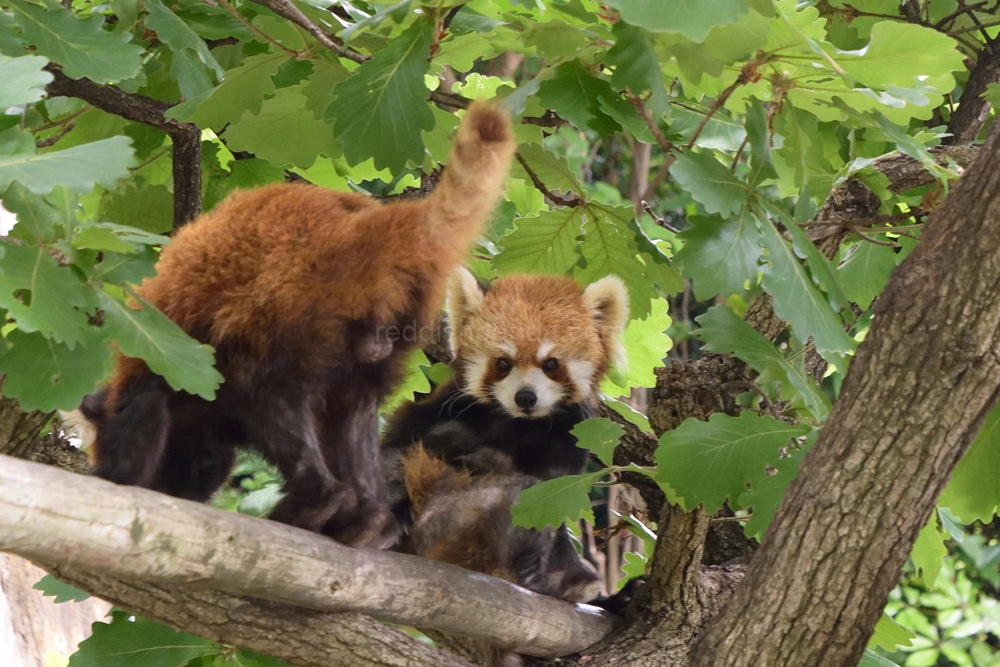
x,y
311,298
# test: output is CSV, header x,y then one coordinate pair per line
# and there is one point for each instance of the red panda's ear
x,y
464,299
607,300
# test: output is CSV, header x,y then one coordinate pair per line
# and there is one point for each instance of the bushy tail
x,y
474,178
426,476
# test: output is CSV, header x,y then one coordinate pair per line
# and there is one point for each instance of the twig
x,y
657,219
556,199
289,11
748,74
257,31
640,106
548,119
872,239
453,100
62,121
958,12
45,143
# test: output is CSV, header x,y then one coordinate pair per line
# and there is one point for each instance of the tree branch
x,y
133,534
297,636
286,9
186,137
972,112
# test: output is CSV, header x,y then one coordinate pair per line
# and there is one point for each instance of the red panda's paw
x,y
371,527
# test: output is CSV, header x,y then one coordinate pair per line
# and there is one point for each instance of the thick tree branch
x,y
133,534
186,137
850,518
970,116
297,636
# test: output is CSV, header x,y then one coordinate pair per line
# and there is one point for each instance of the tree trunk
x,y
916,394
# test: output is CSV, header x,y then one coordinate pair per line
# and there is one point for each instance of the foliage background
x,y
686,147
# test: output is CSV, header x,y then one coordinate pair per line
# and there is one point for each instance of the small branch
x,y
872,239
548,119
973,110
747,75
657,219
133,534
257,31
186,137
453,100
286,9
661,140
557,199
45,143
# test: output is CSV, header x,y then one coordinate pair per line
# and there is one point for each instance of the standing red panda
x,y
295,287
529,354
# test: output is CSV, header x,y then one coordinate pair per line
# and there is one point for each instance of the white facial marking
x,y
475,375
544,350
547,392
581,374
509,349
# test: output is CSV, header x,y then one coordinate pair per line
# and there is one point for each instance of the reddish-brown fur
x,y
297,287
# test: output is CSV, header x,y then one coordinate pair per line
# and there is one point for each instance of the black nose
x,y
525,399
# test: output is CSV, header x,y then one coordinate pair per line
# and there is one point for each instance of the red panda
x,y
465,519
296,287
529,354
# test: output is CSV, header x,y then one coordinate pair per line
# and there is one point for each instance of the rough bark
x,y
186,137
32,625
133,534
296,635
914,398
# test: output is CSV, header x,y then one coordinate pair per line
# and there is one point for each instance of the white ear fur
x,y
607,300
463,300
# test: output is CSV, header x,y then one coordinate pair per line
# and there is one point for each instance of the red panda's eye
x,y
550,365
504,365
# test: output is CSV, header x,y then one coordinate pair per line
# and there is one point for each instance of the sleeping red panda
x,y
465,519
529,354
295,286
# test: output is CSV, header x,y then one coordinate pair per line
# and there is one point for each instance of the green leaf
x,y
37,219
78,168
193,64
646,345
45,375
872,659
822,273
284,132
124,643
574,93
148,334
723,331
636,66
600,436
99,238
545,243
81,46
608,249
244,89
720,255
889,635
974,490
42,296
414,382
691,18
634,566
554,501
759,139
149,208
900,54
127,269
797,301
866,271
52,587
766,495
929,552
24,80
710,183
552,170
708,462
381,109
